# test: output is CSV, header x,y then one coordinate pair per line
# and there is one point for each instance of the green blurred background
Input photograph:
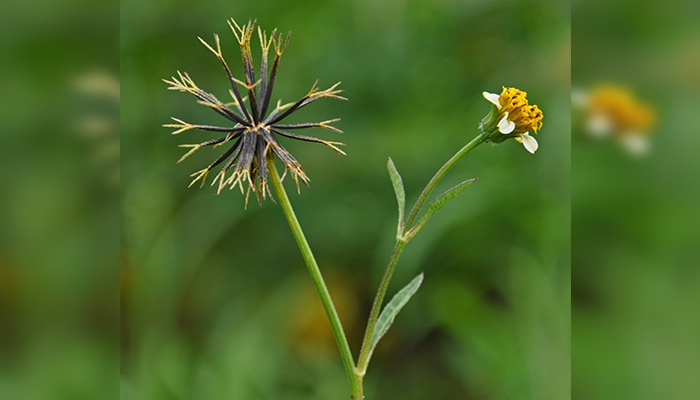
x,y
636,281
59,214
216,300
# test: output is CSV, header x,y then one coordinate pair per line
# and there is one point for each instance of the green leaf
x,y
386,318
441,201
397,182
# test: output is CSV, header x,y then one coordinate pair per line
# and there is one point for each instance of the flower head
x,y
613,110
253,133
512,117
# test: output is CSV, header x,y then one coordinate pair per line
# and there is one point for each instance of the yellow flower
x,y
512,117
621,108
615,111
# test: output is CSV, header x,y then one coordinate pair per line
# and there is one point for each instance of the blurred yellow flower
x,y
513,117
613,110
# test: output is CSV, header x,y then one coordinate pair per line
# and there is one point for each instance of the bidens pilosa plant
x,y
254,135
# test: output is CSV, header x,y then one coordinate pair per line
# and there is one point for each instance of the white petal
x,y
505,126
579,98
636,143
599,126
493,99
529,142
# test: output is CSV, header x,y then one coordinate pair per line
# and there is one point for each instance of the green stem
x,y
343,346
439,175
401,240
363,361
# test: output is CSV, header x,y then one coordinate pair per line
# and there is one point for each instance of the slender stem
x,y
343,346
363,360
439,175
401,240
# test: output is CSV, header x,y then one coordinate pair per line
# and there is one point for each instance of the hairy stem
x,y
342,341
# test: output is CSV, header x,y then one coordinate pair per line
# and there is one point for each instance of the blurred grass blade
x,y
386,318
397,182
440,202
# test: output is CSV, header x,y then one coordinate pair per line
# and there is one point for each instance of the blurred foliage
x,y
59,214
216,301
635,255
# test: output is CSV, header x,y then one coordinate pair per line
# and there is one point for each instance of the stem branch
x,y
363,361
439,175
401,240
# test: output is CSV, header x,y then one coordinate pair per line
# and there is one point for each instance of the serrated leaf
x,y
442,200
397,182
388,314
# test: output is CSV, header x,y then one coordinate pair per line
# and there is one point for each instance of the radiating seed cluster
x,y
253,132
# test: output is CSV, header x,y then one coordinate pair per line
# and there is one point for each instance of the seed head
x,y
253,133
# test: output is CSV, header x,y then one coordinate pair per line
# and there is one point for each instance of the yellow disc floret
x,y
525,116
